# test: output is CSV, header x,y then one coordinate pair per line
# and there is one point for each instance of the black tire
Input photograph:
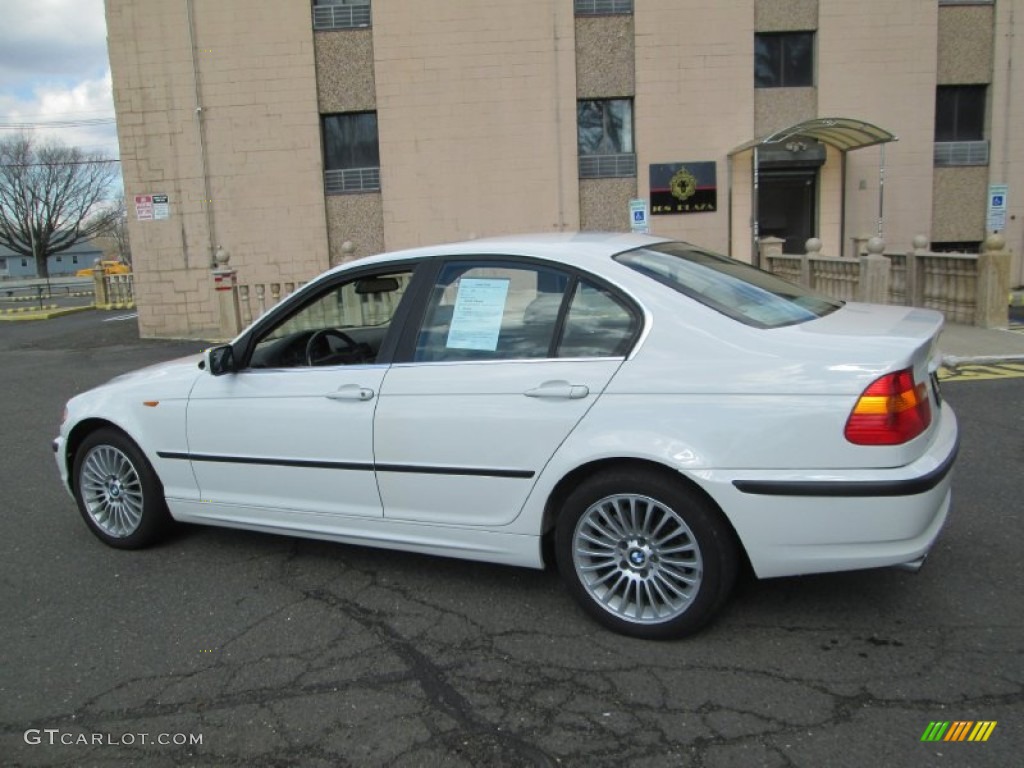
x,y
119,495
646,536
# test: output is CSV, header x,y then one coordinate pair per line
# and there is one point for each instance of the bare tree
x,y
51,197
117,232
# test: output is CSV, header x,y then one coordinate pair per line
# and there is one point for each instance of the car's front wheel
x,y
118,493
645,554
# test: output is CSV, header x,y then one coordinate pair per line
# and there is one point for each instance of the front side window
x,y
784,60
731,287
520,312
344,325
351,152
960,113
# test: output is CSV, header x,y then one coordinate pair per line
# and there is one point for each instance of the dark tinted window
x,y
350,141
960,113
784,60
731,287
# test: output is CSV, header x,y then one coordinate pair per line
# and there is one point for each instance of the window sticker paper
x,y
476,319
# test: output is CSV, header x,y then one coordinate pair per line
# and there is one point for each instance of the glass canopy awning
x,y
843,133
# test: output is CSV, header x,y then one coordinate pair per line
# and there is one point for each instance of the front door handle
x,y
559,390
350,392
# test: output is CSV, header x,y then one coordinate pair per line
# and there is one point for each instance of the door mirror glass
x,y
220,360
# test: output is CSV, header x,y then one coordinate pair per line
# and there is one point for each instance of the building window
x,y
960,125
341,14
74,259
784,60
351,153
960,113
603,7
605,138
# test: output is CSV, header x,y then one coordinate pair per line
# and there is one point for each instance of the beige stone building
x,y
293,135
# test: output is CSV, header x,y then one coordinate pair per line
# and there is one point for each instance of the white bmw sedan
x,y
654,415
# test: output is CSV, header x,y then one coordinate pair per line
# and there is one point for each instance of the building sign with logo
x,y
684,188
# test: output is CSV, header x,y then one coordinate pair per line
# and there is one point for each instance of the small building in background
x,y
63,264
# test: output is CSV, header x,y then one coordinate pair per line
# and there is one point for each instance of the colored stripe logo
x,y
959,730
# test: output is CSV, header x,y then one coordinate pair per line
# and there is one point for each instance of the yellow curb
x,y
117,306
981,372
19,310
44,315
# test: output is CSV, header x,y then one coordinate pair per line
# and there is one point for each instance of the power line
x,y
83,123
60,164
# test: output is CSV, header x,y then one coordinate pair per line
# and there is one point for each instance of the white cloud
x,y
54,68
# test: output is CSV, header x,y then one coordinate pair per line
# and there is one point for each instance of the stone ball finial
x,y
222,256
994,243
813,246
876,246
348,248
920,242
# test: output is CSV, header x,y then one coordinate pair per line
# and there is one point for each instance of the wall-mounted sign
x,y
684,188
638,216
996,218
152,207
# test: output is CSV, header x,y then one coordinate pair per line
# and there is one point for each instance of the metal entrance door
x,y
787,206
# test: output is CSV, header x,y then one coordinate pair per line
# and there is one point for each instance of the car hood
x,y
174,377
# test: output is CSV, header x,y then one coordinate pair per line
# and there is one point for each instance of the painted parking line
x,y
118,318
981,372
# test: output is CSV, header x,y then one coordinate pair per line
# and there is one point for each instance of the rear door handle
x,y
559,390
350,392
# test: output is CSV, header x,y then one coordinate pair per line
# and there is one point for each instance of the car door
x,y
293,428
508,358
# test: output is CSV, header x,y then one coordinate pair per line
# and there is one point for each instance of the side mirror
x,y
220,360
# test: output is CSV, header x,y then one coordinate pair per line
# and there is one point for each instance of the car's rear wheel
x,y
645,554
118,493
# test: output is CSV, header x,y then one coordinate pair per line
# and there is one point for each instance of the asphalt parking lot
x,y
280,652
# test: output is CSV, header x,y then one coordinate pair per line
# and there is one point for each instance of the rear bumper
x,y
793,522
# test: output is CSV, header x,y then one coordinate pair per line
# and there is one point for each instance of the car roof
x,y
565,247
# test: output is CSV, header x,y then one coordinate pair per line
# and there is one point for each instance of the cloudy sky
x,y
54,72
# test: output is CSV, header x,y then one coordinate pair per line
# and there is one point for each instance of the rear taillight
x,y
891,411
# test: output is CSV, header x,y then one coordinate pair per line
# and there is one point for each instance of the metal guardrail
x,y
341,16
608,166
352,180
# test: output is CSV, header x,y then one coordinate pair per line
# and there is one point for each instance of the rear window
x,y
731,287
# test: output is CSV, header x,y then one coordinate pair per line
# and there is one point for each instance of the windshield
x,y
731,287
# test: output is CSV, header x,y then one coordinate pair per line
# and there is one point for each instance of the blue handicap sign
x,y
997,201
638,215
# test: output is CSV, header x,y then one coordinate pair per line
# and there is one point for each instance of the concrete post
x,y
768,247
812,249
915,277
226,286
859,244
875,272
993,304
101,297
